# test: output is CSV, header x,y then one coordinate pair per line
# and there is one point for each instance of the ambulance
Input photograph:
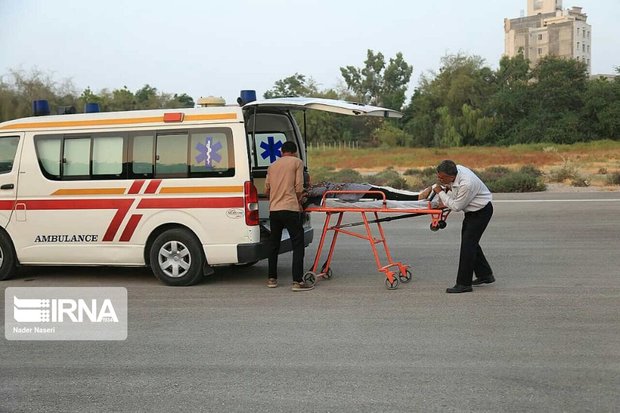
x,y
176,190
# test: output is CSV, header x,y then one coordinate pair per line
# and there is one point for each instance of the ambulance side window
x,y
108,155
142,155
171,155
81,157
8,148
76,157
48,153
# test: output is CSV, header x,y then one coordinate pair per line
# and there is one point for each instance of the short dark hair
x,y
448,167
289,147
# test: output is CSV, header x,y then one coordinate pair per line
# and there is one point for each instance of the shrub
x,y
531,170
321,174
580,181
563,173
430,171
346,175
613,178
516,182
492,173
388,177
422,178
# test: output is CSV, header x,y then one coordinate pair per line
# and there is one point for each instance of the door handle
x,y
7,186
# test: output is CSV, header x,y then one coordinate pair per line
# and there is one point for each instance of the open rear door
x,y
326,105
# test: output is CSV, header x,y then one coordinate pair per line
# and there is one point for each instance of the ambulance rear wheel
x,y
177,258
7,257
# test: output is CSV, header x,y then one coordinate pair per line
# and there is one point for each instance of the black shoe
x,y
460,289
483,280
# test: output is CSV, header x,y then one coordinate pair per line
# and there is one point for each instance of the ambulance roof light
x,y
246,96
91,108
40,107
211,101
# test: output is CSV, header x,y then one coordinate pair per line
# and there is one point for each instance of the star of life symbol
x,y
31,310
208,153
271,149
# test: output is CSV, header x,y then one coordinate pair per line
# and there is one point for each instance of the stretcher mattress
x,y
377,204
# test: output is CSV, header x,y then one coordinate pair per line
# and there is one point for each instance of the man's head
x,y
446,172
289,148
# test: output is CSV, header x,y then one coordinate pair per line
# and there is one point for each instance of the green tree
x,y
293,86
511,102
601,109
450,108
556,95
377,83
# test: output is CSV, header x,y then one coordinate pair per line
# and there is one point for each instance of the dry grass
x,y
589,159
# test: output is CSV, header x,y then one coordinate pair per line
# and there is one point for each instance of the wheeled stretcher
x,y
373,204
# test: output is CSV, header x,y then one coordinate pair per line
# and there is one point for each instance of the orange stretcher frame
x,y
438,221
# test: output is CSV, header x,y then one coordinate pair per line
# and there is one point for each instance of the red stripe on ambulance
x,y
152,187
136,186
130,228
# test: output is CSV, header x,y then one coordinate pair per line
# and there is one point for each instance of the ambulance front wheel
x,y
176,257
7,257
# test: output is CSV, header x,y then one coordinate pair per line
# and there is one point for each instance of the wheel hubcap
x,y
174,259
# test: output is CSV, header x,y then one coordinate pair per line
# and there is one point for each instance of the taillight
x,y
250,195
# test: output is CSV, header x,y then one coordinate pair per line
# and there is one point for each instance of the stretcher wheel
x,y
309,278
404,278
391,285
434,228
326,274
442,224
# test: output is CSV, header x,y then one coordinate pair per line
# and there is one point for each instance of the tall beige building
x,y
549,30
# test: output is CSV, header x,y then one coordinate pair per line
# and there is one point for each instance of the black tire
x,y
177,258
8,263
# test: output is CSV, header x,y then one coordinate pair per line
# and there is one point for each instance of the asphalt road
x,y
545,337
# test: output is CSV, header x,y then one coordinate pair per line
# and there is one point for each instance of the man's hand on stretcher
x,y
426,194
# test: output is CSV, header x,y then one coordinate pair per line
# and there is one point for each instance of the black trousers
x,y
292,221
472,259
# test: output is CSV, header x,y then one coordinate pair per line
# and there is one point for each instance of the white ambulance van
x,y
177,190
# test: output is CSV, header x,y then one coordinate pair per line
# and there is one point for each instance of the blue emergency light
x,y
91,108
40,108
246,96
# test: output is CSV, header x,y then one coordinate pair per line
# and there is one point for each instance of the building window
x,y
578,31
588,48
540,37
578,45
539,51
583,47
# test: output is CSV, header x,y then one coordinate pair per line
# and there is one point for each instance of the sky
x,y
217,48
